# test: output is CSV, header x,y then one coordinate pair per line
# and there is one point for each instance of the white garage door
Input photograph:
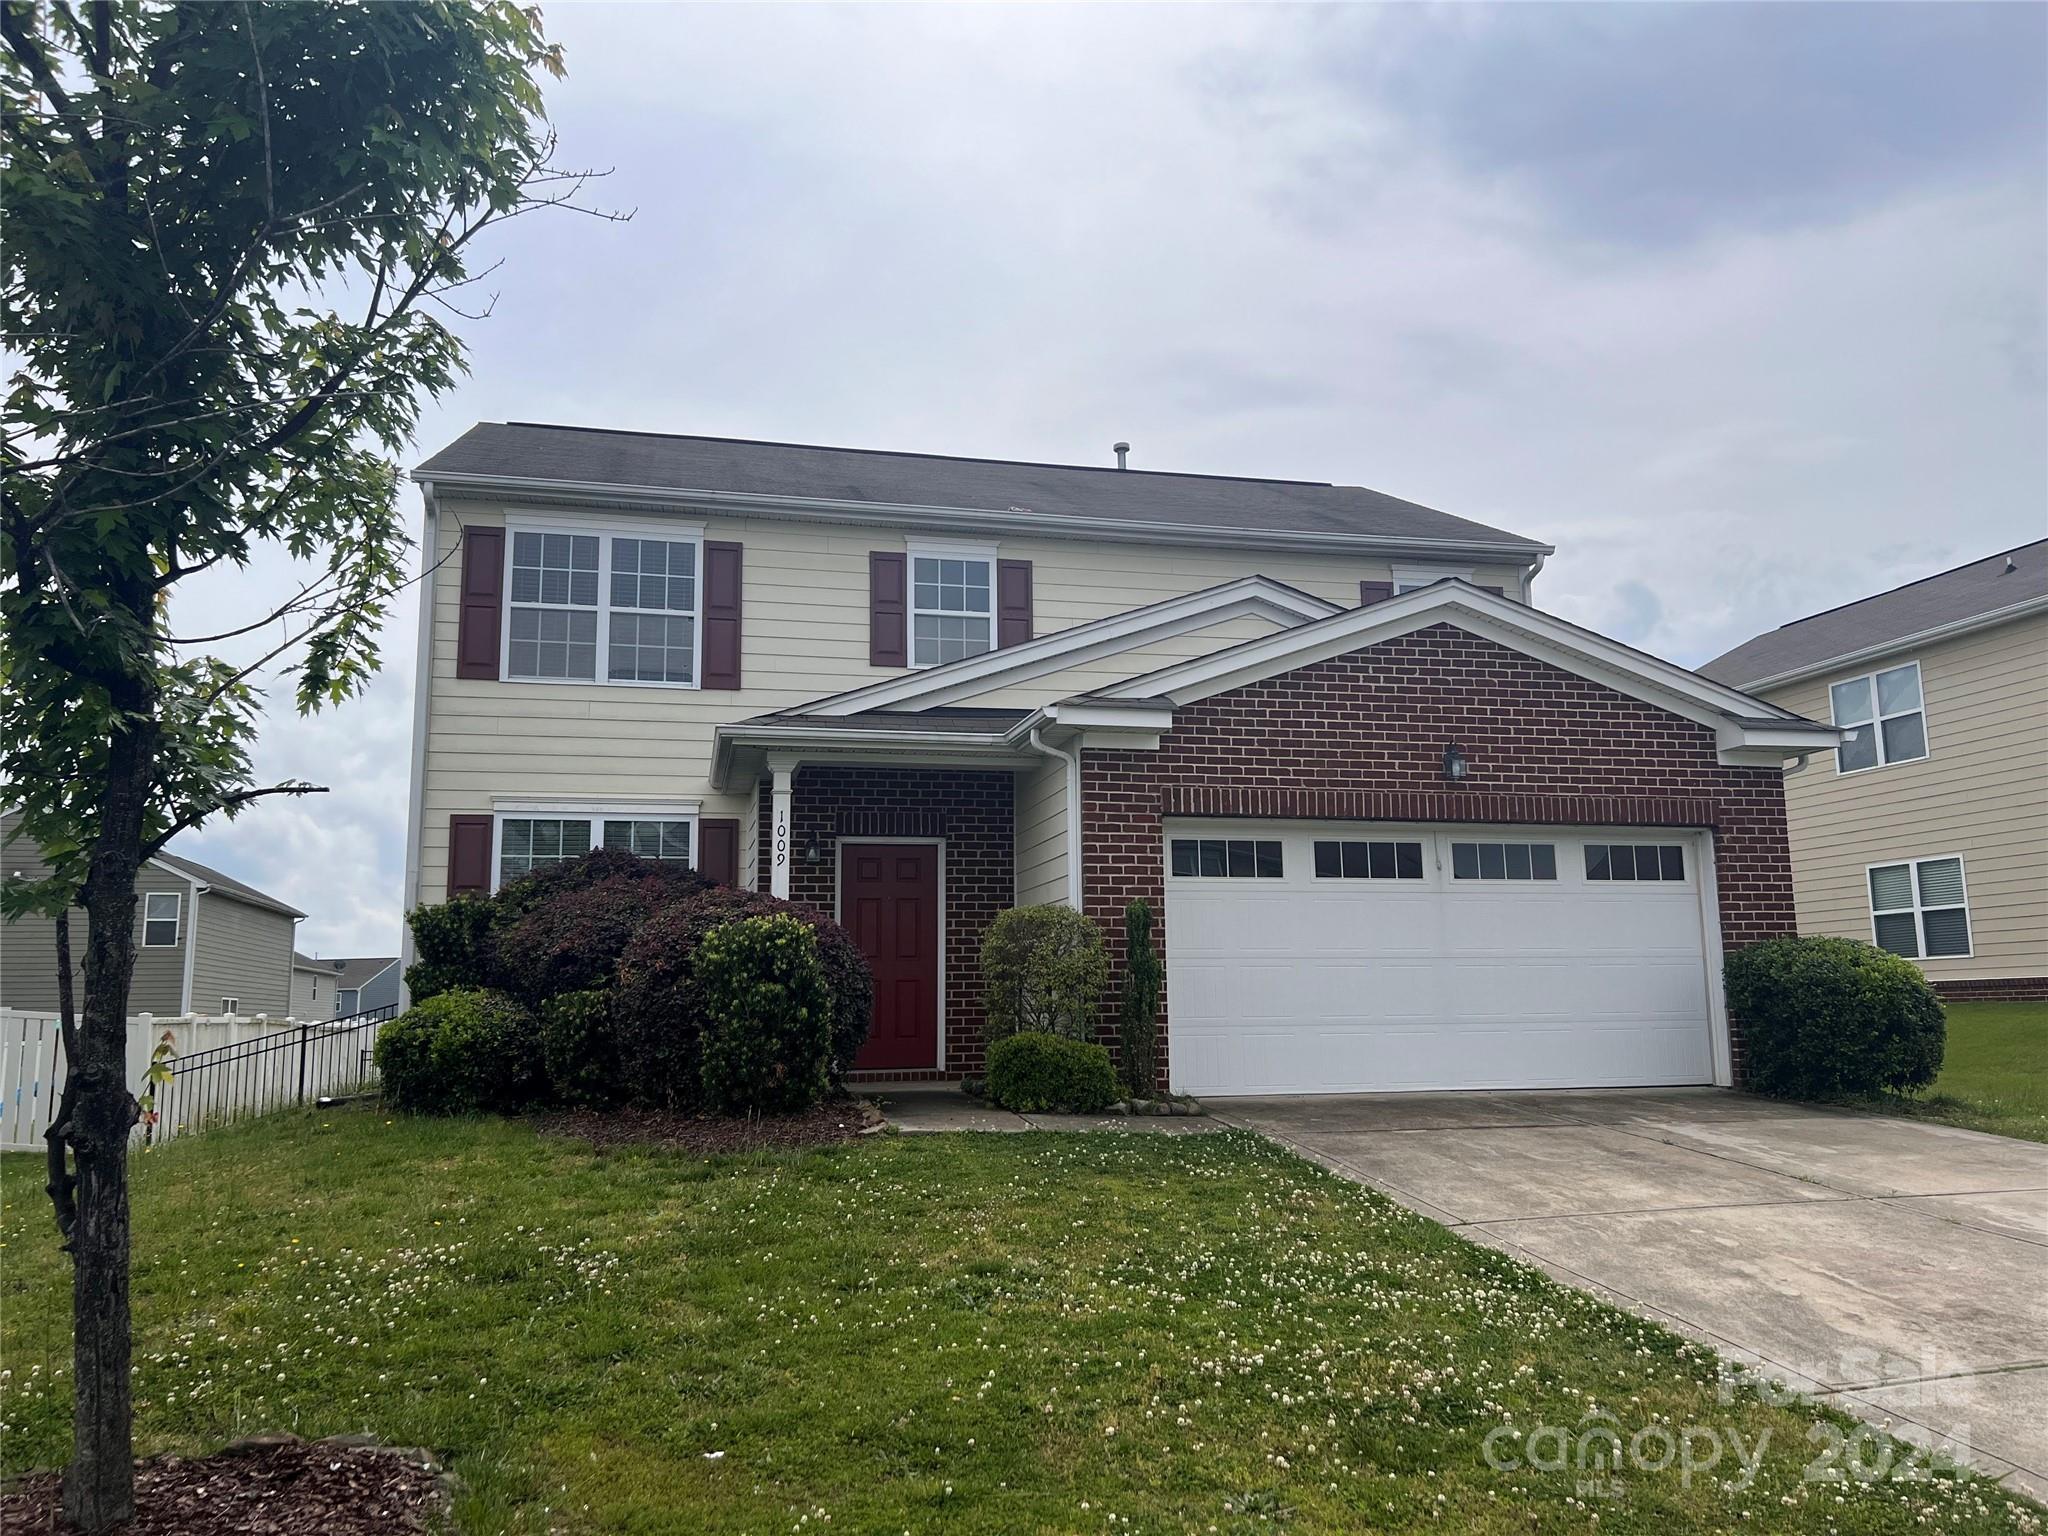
x,y
1358,958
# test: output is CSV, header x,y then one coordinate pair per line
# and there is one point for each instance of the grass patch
x,y
1030,1333
1994,1075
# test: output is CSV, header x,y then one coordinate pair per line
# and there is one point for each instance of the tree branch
x,y
191,817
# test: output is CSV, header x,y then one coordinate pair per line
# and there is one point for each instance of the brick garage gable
x,y
1362,736
976,815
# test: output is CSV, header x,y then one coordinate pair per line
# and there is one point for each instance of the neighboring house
x,y
334,989
1401,829
204,942
1926,831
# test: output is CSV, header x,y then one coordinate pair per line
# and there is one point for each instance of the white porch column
x,y
784,770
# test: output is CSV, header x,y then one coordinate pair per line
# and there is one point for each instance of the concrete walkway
x,y
918,1108
1897,1268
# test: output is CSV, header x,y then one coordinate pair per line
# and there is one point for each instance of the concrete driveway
x,y
1897,1268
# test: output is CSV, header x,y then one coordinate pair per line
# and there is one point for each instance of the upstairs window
x,y
1883,714
579,602
1920,910
950,614
160,919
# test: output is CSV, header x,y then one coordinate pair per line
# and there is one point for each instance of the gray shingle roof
x,y
651,460
347,972
228,885
1952,597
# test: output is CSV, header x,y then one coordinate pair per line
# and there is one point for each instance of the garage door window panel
x,y
1368,860
1503,861
1227,858
1638,861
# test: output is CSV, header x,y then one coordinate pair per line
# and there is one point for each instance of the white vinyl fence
x,y
222,1068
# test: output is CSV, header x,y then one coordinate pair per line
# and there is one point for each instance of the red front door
x,y
889,902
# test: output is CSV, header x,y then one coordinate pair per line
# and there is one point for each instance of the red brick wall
x,y
1362,736
975,814
1993,989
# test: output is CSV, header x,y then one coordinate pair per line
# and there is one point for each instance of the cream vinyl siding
x,y
1125,665
1042,834
1981,792
245,952
805,635
28,945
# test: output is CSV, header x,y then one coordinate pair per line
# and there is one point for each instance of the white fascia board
x,y
1954,630
1767,746
1090,714
972,676
967,519
1519,628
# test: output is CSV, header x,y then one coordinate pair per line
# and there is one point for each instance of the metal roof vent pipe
x,y
1123,453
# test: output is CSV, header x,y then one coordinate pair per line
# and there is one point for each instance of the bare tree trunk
x,y
99,1485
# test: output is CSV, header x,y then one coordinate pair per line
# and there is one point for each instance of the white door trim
x,y
838,897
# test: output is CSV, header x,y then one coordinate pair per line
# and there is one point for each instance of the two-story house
x,y
1401,828
1926,831
341,988
205,942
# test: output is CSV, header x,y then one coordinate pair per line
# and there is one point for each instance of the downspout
x,y
1529,574
1073,762
422,691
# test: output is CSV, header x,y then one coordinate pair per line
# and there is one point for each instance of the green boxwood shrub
x,y
1043,969
461,1052
451,945
578,1052
767,1044
1824,1017
1037,1073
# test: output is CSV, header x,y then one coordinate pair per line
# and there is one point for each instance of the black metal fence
x,y
289,1066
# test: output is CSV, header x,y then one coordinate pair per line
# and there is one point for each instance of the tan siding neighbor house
x,y
1928,832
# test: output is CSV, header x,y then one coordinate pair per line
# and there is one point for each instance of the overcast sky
x,y
1742,307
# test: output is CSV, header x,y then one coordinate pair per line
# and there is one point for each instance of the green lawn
x,y
1994,1076
1015,1334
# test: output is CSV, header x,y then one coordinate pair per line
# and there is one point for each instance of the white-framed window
x,y
603,605
1408,577
1227,858
1885,713
1920,909
1635,861
533,838
952,602
1503,861
231,1005
1393,859
160,919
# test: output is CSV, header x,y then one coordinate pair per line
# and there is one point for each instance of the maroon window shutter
x,y
483,591
1013,602
469,855
721,616
888,622
1374,592
718,851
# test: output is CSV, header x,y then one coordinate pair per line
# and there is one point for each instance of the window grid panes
x,y
650,839
552,629
1919,909
1368,860
160,919
527,843
949,608
653,629
1635,861
1503,861
1883,711
1227,858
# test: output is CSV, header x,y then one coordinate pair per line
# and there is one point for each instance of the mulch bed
x,y
275,1485
708,1135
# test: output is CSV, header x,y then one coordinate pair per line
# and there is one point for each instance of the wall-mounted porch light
x,y
813,854
1455,766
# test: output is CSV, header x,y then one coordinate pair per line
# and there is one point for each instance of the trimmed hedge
x,y
460,1053
1037,1073
1138,1020
578,1051
451,947
767,1044
1824,1018
1044,969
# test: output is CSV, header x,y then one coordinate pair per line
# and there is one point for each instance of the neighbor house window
x,y
231,1005
529,842
950,613
1504,861
1882,712
1227,858
1635,861
1919,910
1392,860
160,919
576,597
